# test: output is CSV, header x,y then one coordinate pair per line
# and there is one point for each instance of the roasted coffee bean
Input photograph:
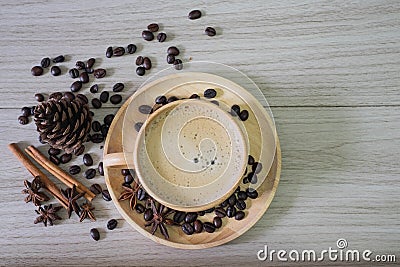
x,y
80,65
65,158
147,63
257,167
162,99
138,126
109,52
97,138
145,109
100,168
178,64
209,227
244,115
106,195
104,130
96,126
210,31
194,14
83,98
235,110
73,73
237,190
210,93
230,211
84,77
23,120
116,99
217,221
187,228
104,96
56,95
26,111
74,169
215,102
128,178
112,224
118,87
232,200
201,213
251,193
190,217
139,60
220,212
139,208
161,37
125,172
96,103
53,151
241,195
68,95
89,173
119,51
96,189
45,62
170,59
198,226
239,215
194,96
108,119
79,151
148,215
99,73
87,159
89,64
94,88
173,50
94,233
76,86
250,160
54,159
179,216
37,71
172,99
131,48
147,35
253,179
140,71
153,27
209,210
141,194
59,59
240,205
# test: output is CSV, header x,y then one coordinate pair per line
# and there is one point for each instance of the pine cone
x,y
63,122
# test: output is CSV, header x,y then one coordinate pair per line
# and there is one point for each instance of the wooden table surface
x,y
330,71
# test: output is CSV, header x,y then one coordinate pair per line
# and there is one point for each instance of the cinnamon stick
x,y
35,171
58,172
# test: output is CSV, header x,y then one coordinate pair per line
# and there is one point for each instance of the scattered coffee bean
x,y
79,151
224,203
68,95
84,77
104,130
173,50
194,96
65,158
139,208
198,226
170,59
96,189
26,111
153,27
187,228
230,211
97,138
210,93
220,212
37,71
190,217
209,210
145,109
215,102
112,224
90,63
141,194
59,59
250,160
162,99
56,95
147,35
244,115
109,52
210,31
76,86
161,37
257,167
104,96
119,51
23,120
178,64
100,168
94,233
140,71
74,73
94,88
251,193
194,14
138,125
74,169
139,60
115,99
179,216
108,119
239,215
147,63
54,159
106,195
80,65
253,179
89,173
125,171
53,151
209,227
235,110
118,87
148,215
131,48
217,221
96,103
87,159
240,204
128,178
89,71
45,62
232,200
241,195
99,73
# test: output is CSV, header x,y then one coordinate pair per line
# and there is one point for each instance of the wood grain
x,y
329,69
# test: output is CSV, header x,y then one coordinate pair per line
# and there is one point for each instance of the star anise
x,y
86,212
131,194
160,219
71,195
47,214
32,189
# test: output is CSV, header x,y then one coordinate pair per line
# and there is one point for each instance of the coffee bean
x,y
209,227
241,195
210,93
73,73
65,158
173,50
131,48
128,178
100,168
74,169
125,172
239,215
251,193
194,14
37,71
139,208
190,217
119,51
26,111
198,226
148,215
97,138
104,130
250,160
179,216
54,159
141,194
170,59
235,110
140,71
76,86
209,210
187,228
56,95
99,73
59,59
139,60
220,212
253,178
104,96
109,52
53,151
147,63
90,63
194,96
178,64
80,65
147,35
108,119
89,173
68,95
82,98
230,211
225,203
95,189
161,100
94,233
116,99
240,205
87,159
118,87
257,167
161,37
138,125
45,62
33,108
106,195
23,120
215,102
145,109
96,103
94,88
232,200
79,151
210,31
84,77
112,224
153,27
244,115
217,221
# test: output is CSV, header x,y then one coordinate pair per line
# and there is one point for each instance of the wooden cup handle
x,y
120,159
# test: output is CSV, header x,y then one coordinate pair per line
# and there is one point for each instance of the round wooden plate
x,y
116,157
